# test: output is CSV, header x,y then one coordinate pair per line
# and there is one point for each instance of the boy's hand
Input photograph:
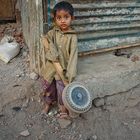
x,y
65,82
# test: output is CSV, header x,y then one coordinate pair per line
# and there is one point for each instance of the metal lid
x,y
76,97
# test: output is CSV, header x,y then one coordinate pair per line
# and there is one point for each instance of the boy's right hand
x,y
65,82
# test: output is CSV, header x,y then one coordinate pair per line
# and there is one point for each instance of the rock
x,y
26,103
74,125
64,123
24,54
92,138
18,75
98,102
16,108
25,133
1,115
34,76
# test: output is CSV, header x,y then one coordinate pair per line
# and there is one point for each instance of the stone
x,y
64,123
24,54
34,76
92,137
98,102
25,133
26,103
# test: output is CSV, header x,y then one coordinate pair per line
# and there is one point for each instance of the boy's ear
x,y
52,15
73,18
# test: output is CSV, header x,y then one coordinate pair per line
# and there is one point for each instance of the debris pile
x,y
14,30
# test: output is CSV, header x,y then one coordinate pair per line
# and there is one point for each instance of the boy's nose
x,y
63,20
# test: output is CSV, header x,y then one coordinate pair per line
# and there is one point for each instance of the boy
x,y
61,49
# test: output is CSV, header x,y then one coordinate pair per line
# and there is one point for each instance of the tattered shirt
x,y
63,49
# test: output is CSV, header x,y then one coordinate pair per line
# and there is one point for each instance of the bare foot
x,y
63,112
63,115
46,109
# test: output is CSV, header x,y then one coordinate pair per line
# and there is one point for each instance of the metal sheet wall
x,y
105,24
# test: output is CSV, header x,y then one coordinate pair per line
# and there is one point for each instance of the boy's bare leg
x,y
47,105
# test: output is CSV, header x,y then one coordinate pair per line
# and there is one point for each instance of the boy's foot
x,y
46,109
63,115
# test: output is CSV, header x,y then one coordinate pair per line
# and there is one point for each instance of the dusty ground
x,y
20,110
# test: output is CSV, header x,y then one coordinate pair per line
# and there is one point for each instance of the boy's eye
x,y
66,17
58,18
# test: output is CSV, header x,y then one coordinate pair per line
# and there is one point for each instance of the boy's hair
x,y
63,5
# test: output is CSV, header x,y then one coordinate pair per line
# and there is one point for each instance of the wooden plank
x,y
81,54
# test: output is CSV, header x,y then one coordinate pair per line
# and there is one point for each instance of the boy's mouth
x,y
63,25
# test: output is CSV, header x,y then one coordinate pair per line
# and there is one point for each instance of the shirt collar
x,y
69,31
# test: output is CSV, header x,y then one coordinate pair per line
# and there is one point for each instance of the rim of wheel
x,y
79,102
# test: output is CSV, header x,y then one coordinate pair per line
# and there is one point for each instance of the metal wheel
x,y
76,97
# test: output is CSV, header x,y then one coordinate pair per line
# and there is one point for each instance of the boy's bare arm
x,y
60,72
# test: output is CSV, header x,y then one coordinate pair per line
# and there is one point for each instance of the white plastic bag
x,y
8,49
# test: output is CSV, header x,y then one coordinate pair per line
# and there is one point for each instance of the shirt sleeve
x,y
72,63
51,53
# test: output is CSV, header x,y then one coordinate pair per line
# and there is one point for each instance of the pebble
x,y
99,102
25,105
34,76
73,125
25,133
24,54
64,123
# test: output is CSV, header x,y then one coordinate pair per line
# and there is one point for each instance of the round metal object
x,y
76,97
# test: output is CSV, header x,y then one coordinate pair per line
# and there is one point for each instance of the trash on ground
x,y
16,108
120,52
25,133
9,48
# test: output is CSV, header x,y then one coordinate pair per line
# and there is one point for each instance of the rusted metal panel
x,y
104,24
7,10
99,24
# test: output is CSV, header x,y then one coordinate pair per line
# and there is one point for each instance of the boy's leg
x,y
49,94
60,87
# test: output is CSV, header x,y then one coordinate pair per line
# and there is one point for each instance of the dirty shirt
x,y
62,49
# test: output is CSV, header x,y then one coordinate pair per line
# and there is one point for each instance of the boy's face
x,y
63,19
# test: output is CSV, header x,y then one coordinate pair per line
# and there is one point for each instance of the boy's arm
x,y
56,64
72,64
50,48
60,72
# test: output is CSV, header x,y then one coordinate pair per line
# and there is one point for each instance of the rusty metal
x,y
106,24
7,10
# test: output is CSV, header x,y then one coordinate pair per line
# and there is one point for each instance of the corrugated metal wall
x,y
99,24
105,24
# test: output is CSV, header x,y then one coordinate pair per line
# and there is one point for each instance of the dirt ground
x,y
20,109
